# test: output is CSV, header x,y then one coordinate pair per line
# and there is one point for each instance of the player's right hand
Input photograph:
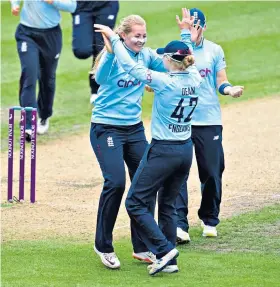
x,y
15,10
107,44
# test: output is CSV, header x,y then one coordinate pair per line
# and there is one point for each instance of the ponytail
x,y
188,61
96,62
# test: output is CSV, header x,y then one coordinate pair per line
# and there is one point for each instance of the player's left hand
x,y
187,20
49,1
105,30
236,91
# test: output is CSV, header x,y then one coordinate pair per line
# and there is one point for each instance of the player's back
x,y
174,105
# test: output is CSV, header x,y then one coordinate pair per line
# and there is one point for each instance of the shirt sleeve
x,y
65,5
156,80
156,63
186,38
15,3
219,60
104,68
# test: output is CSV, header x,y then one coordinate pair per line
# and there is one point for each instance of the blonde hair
x,y
187,61
126,24
125,27
96,62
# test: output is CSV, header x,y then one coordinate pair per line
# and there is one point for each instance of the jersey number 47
x,y
178,113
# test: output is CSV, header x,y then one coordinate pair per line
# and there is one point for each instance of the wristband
x,y
222,88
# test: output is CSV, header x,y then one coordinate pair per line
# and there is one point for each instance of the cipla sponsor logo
x,y
205,72
127,84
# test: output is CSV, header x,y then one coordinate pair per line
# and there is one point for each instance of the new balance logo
x,y
23,47
57,56
77,20
110,142
111,17
216,138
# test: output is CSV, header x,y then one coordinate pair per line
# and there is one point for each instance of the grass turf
x,y
246,253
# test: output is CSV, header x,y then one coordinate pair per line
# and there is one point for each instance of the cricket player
x,y
117,133
167,160
207,130
86,43
39,43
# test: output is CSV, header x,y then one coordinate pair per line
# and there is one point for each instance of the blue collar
x,y
131,52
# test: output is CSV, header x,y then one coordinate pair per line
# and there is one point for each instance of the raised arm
x,y
186,38
154,79
185,25
104,68
65,5
15,3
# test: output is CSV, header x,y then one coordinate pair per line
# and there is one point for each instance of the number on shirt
x,y
181,113
178,113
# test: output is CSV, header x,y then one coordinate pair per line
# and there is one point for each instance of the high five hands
x,y
187,20
187,23
106,32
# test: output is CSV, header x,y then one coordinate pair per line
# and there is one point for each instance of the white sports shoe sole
x,y
168,269
160,264
144,257
107,262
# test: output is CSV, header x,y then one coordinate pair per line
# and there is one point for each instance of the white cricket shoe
x,y
93,97
167,269
42,126
109,259
147,257
161,263
209,231
182,236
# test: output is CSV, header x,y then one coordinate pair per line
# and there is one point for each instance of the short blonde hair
x,y
125,26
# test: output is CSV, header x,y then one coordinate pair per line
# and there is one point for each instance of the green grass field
x,y
247,253
249,32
